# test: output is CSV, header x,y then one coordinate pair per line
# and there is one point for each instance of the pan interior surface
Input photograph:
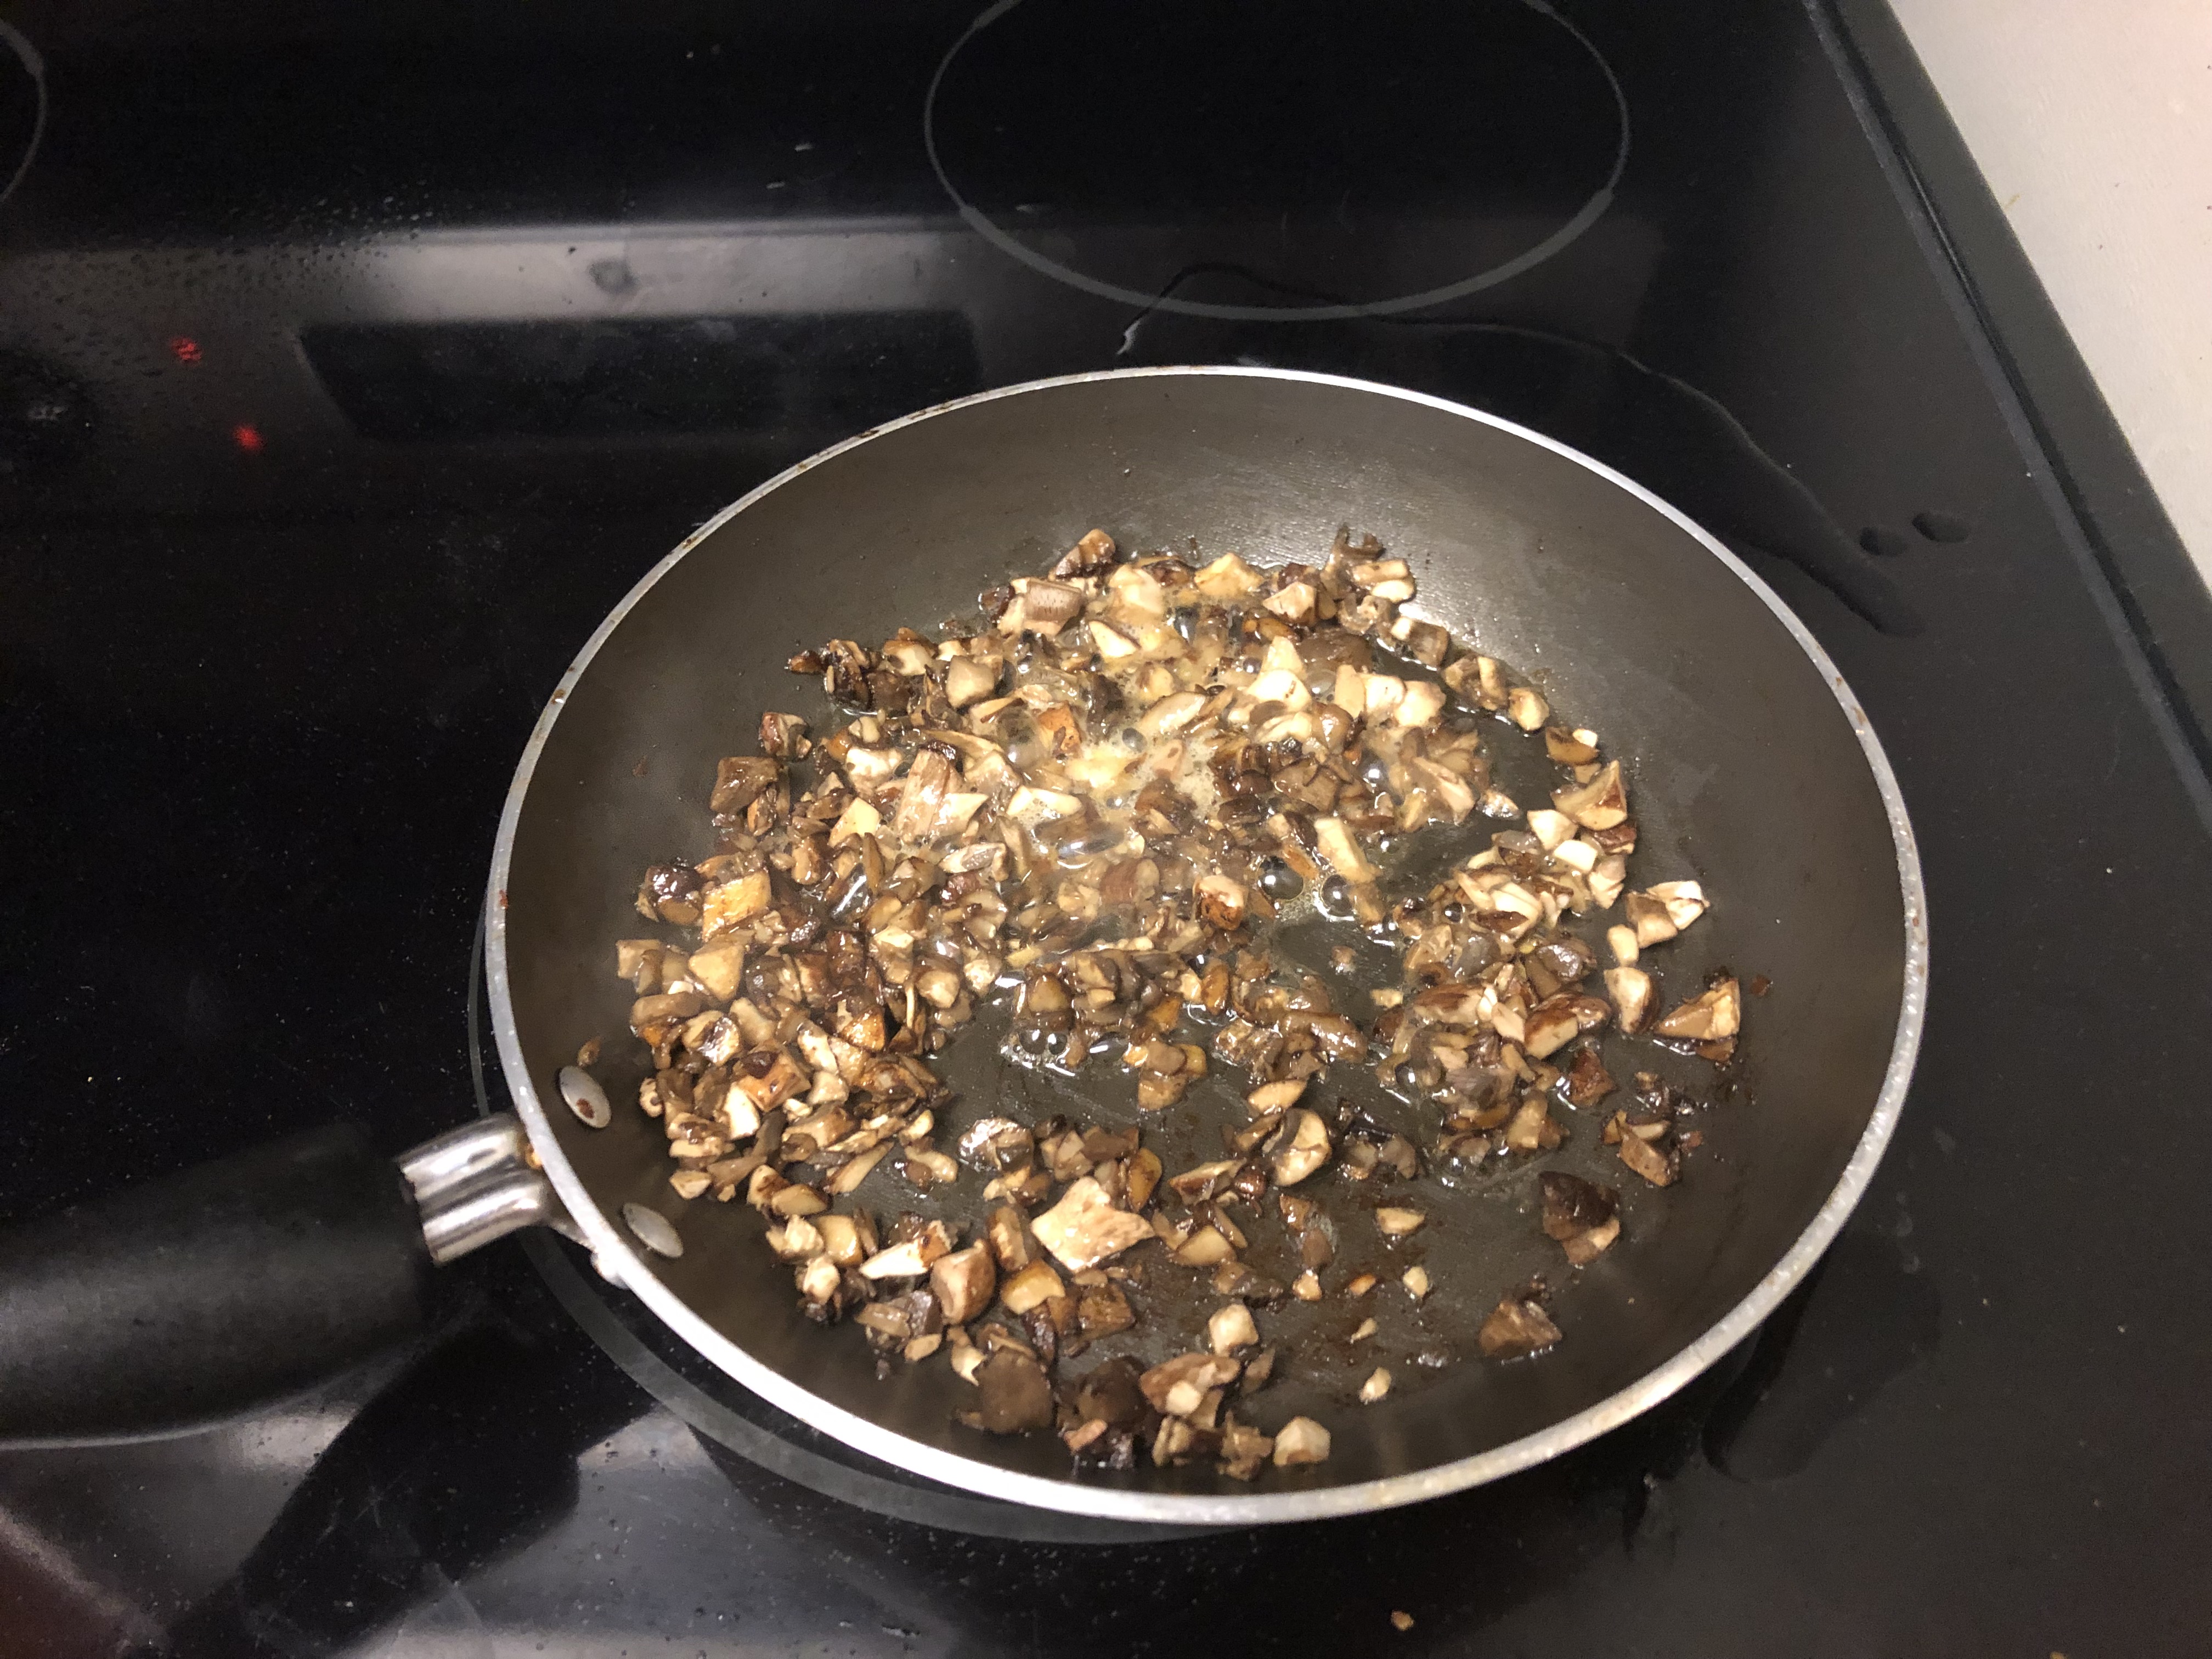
x,y
1748,769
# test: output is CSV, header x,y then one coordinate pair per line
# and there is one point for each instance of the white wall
x,y
2091,120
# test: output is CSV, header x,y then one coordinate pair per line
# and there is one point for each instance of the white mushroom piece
x,y
1085,1229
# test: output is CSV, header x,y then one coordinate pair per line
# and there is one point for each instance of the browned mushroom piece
x,y
1583,1216
964,1281
1518,1325
1297,1148
1715,1013
1017,1396
1586,1082
1179,1387
1649,1149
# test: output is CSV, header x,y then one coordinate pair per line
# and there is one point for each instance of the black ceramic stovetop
x,y
354,359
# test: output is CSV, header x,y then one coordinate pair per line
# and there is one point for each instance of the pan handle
x,y
239,1282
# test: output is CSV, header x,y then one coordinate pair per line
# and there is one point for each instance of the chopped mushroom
x,y
1298,1148
964,1281
1016,1395
1717,1012
1631,991
1230,1329
1518,1325
1583,1216
1085,1229
1376,1385
1301,1440
1598,805
1178,1387
1086,808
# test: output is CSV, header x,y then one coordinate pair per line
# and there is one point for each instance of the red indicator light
x,y
185,349
247,437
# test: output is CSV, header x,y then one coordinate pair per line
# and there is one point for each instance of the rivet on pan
x,y
586,1098
654,1231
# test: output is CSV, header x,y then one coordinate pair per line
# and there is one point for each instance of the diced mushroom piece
x,y
1294,601
819,1280
1423,705
840,1239
970,679
1179,1386
1203,1180
1138,591
1570,748
1232,1327
1625,950
1631,991
740,779
1031,1287
1583,1216
1301,1440
1298,1148
1360,1283
1530,1129
1397,1223
717,967
1362,1331
1243,1450
1552,829
1651,1150
1047,605
783,736
1685,901
900,1262
1376,1385
1009,1236
1090,555
1648,919
1558,1020
1526,708
690,1183
1518,1325
1274,1097
858,819
909,658
730,904
1598,805
778,1079
1333,839
1548,1028
1415,1278
1222,902
796,1198
1227,578
1085,1229
1715,1013
1017,1396
1307,1286
797,1240
964,1281
848,1177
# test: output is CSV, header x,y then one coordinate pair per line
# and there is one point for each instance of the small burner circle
x,y
1098,117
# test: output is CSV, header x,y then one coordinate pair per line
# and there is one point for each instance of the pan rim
x,y
615,1255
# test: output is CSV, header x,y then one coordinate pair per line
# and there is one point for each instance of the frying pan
x,y
1751,767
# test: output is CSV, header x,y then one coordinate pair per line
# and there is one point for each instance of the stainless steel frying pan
x,y
1751,766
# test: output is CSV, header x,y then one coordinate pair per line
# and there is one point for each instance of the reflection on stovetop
x,y
509,1477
